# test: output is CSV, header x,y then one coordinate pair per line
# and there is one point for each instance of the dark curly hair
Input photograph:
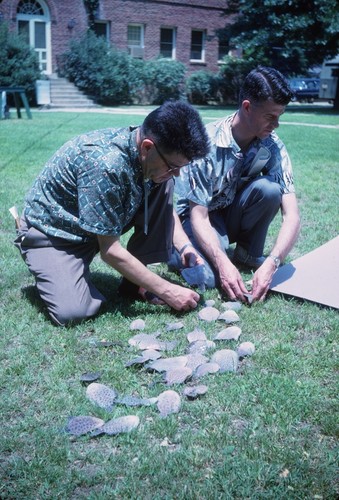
x,y
265,83
177,127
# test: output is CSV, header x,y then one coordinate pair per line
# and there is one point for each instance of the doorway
x,y
33,21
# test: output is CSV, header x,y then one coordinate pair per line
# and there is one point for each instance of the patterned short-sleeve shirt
x,y
214,181
93,185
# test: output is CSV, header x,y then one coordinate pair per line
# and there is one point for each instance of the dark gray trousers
x,y
245,222
62,268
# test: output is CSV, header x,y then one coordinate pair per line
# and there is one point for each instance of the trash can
x,y
43,92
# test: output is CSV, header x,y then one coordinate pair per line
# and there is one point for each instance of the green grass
x,y
267,432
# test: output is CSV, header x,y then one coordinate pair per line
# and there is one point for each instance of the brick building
x,y
183,30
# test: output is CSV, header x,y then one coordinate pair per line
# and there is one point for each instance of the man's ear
x,y
246,105
146,145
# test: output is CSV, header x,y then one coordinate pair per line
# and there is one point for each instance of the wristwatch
x,y
276,260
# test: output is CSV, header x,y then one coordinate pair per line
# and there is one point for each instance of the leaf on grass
x,y
145,341
83,424
201,346
134,401
168,345
150,354
147,355
209,303
174,326
178,376
234,306
249,297
101,395
229,316
209,314
165,364
168,402
195,359
139,360
206,369
245,349
229,333
137,324
195,335
193,392
226,359
121,424
90,376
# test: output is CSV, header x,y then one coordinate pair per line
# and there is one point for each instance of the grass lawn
x,y
268,431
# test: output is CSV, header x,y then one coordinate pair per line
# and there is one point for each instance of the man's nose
x,y
276,123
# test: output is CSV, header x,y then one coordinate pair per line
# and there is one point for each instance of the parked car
x,y
305,89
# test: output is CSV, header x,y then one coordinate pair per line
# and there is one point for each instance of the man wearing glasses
x,y
94,189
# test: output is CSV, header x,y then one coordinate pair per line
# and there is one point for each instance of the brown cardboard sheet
x,y
314,277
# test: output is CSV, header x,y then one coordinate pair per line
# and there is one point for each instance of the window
x,y
31,7
101,29
223,49
198,45
23,29
167,42
40,36
135,40
135,35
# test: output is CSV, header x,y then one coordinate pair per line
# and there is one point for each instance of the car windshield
x,y
298,84
304,83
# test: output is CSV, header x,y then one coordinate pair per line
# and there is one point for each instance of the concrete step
x,y
65,94
73,103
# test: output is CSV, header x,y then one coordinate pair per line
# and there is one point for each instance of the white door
x,y
34,24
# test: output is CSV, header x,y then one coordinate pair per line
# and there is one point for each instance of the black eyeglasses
x,y
171,168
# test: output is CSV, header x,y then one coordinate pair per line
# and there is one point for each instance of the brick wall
x,y
183,16
152,14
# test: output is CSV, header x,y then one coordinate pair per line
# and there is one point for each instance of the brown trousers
x,y
62,268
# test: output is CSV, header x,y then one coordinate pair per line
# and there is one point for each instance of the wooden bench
x,y
18,92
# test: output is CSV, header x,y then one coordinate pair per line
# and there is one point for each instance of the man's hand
x,y
190,257
231,281
262,279
178,297
181,298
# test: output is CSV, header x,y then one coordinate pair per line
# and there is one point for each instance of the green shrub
x,y
114,77
136,80
98,70
231,76
163,79
19,66
201,87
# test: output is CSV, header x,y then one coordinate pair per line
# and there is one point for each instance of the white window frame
x,y
203,32
107,25
142,35
174,41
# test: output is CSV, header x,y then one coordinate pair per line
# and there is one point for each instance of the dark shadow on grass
x,y
108,285
31,294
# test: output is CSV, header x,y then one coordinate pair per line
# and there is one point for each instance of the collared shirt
x,y
93,185
213,182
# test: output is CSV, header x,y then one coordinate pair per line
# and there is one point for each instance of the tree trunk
x,y
336,99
